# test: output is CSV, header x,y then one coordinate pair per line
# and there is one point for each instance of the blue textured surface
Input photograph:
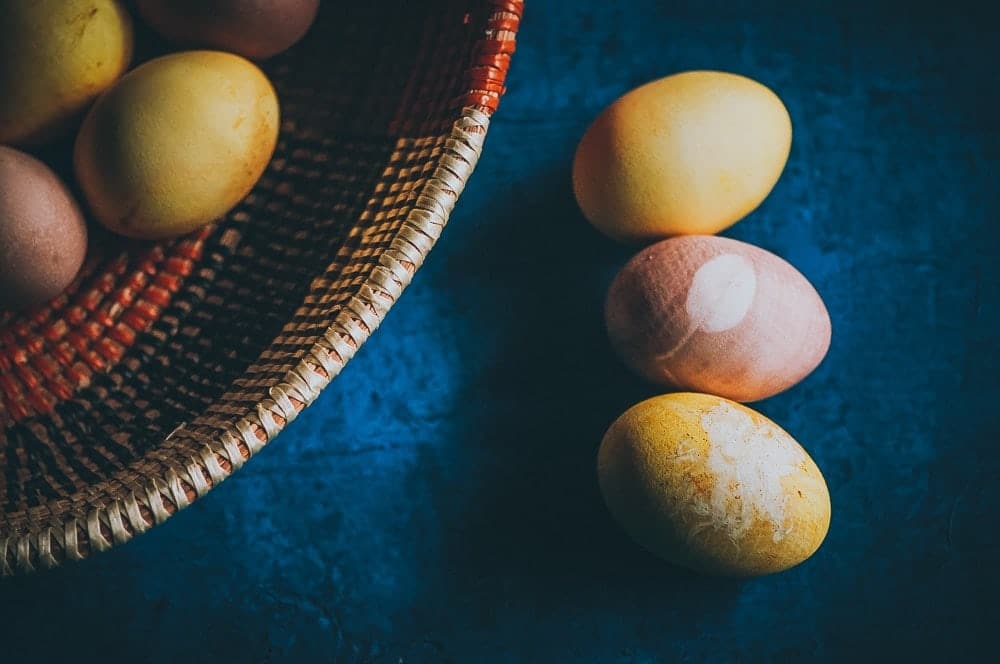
x,y
439,501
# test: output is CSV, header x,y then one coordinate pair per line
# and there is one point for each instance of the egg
x,y
56,57
176,143
687,154
708,484
255,29
711,314
43,236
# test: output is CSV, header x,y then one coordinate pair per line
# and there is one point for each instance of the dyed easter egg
x,y
708,484
255,29
56,57
716,315
43,236
687,154
176,143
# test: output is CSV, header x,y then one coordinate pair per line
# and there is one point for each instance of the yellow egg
x,y
56,57
709,484
687,154
176,143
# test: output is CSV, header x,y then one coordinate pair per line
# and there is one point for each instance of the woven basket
x,y
164,368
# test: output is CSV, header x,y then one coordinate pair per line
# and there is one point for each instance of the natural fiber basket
x,y
164,368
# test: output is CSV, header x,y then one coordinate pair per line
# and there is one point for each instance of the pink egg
x,y
715,315
43,236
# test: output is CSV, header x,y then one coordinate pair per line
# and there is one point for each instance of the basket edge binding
x,y
104,527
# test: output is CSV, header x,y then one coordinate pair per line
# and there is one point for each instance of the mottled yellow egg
x,y
56,57
709,484
176,143
691,153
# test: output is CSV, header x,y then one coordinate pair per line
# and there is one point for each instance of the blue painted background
x,y
439,502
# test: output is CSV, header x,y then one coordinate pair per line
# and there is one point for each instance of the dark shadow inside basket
x,y
367,99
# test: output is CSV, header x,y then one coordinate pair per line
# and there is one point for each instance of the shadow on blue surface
x,y
553,384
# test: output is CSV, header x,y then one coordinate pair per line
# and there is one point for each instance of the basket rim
x,y
33,539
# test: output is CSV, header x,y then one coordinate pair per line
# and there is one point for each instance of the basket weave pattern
x,y
165,367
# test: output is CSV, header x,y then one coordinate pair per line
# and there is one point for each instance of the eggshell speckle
x,y
708,484
716,315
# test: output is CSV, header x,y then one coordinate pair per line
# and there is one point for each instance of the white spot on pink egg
x,y
721,293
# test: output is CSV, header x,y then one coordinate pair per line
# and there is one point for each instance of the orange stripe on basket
x,y
486,76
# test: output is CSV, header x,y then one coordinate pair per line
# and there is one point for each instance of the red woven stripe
x,y
48,353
